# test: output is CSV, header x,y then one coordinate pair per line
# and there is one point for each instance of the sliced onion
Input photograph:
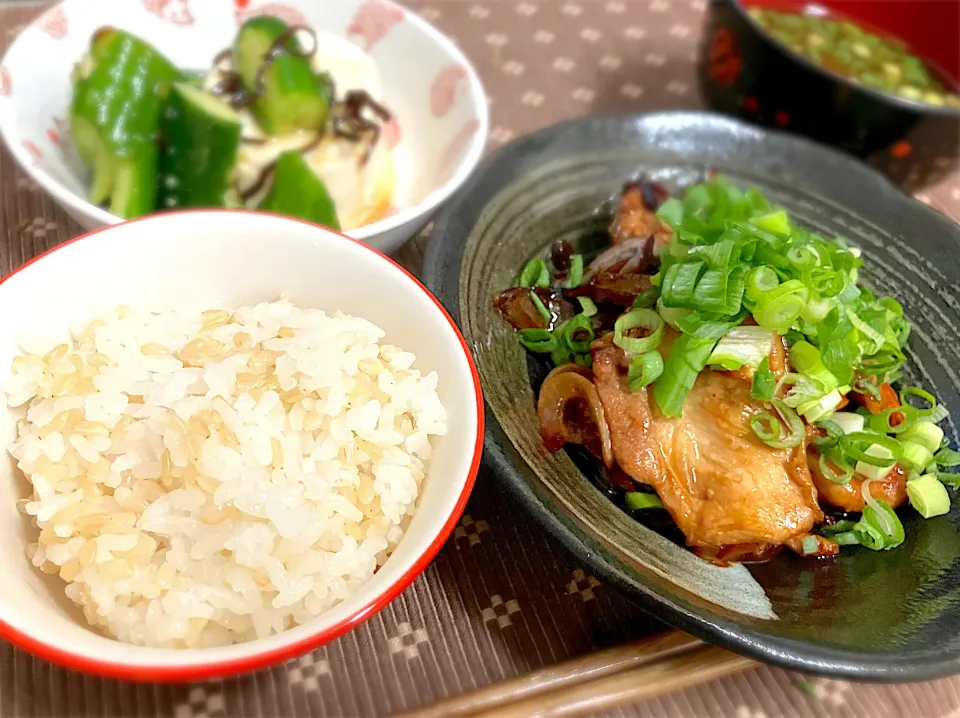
x,y
624,258
566,383
571,367
886,525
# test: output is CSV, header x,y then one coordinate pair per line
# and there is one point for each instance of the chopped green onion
x,y
819,408
882,421
842,526
671,315
925,396
717,256
892,305
939,414
875,338
807,360
687,359
575,273
584,360
882,363
638,500
816,310
776,222
760,280
679,283
648,300
731,247
644,369
541,307
866,385
764,382
803,390
839,475
848,422
578,334
535,274
671,211
681,248
766,426
802,257
915,456
710,326
947,457
638,319
837,341
950,479
561,355
782,433
848,538
743,346
878,514
834,432
859,444
842,532
810,545
719,291
826,282
928,496
804,356
539,341
587,305
871,471
869,536
925,433
779,308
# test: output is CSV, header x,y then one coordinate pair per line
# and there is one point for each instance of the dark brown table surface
x,y
501,599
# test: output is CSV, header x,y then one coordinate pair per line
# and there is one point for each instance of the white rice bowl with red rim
x,y
229,260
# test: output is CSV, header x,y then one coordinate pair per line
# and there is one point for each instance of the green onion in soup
x,y
878,61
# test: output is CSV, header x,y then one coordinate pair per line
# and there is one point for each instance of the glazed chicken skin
x,y
721,484
636,215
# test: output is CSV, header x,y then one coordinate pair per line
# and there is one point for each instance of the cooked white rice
x,y
204,478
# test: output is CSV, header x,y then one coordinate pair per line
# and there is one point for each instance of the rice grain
x,y
205,478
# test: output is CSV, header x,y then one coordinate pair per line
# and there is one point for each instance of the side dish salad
x,y
266,128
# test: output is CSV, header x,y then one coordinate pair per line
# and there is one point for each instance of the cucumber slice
x,y
118,98
202,135
127,184
93,151
134,185
252,44
293,96
298,192
194,77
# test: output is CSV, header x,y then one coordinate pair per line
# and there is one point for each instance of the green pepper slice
x,y
297,191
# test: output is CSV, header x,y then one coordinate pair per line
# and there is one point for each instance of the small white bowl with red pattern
x,y
436,135
222,258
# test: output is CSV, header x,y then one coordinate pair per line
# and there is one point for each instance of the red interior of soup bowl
x,y
929,27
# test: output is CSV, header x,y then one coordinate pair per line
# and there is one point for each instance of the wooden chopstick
x,y
587,679
626,687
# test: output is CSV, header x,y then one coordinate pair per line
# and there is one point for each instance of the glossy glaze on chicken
x,y
724,365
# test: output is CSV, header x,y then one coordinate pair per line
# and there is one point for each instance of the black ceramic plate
x,y
891,615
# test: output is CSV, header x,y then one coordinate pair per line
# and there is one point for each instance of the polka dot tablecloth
x,y
501,599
